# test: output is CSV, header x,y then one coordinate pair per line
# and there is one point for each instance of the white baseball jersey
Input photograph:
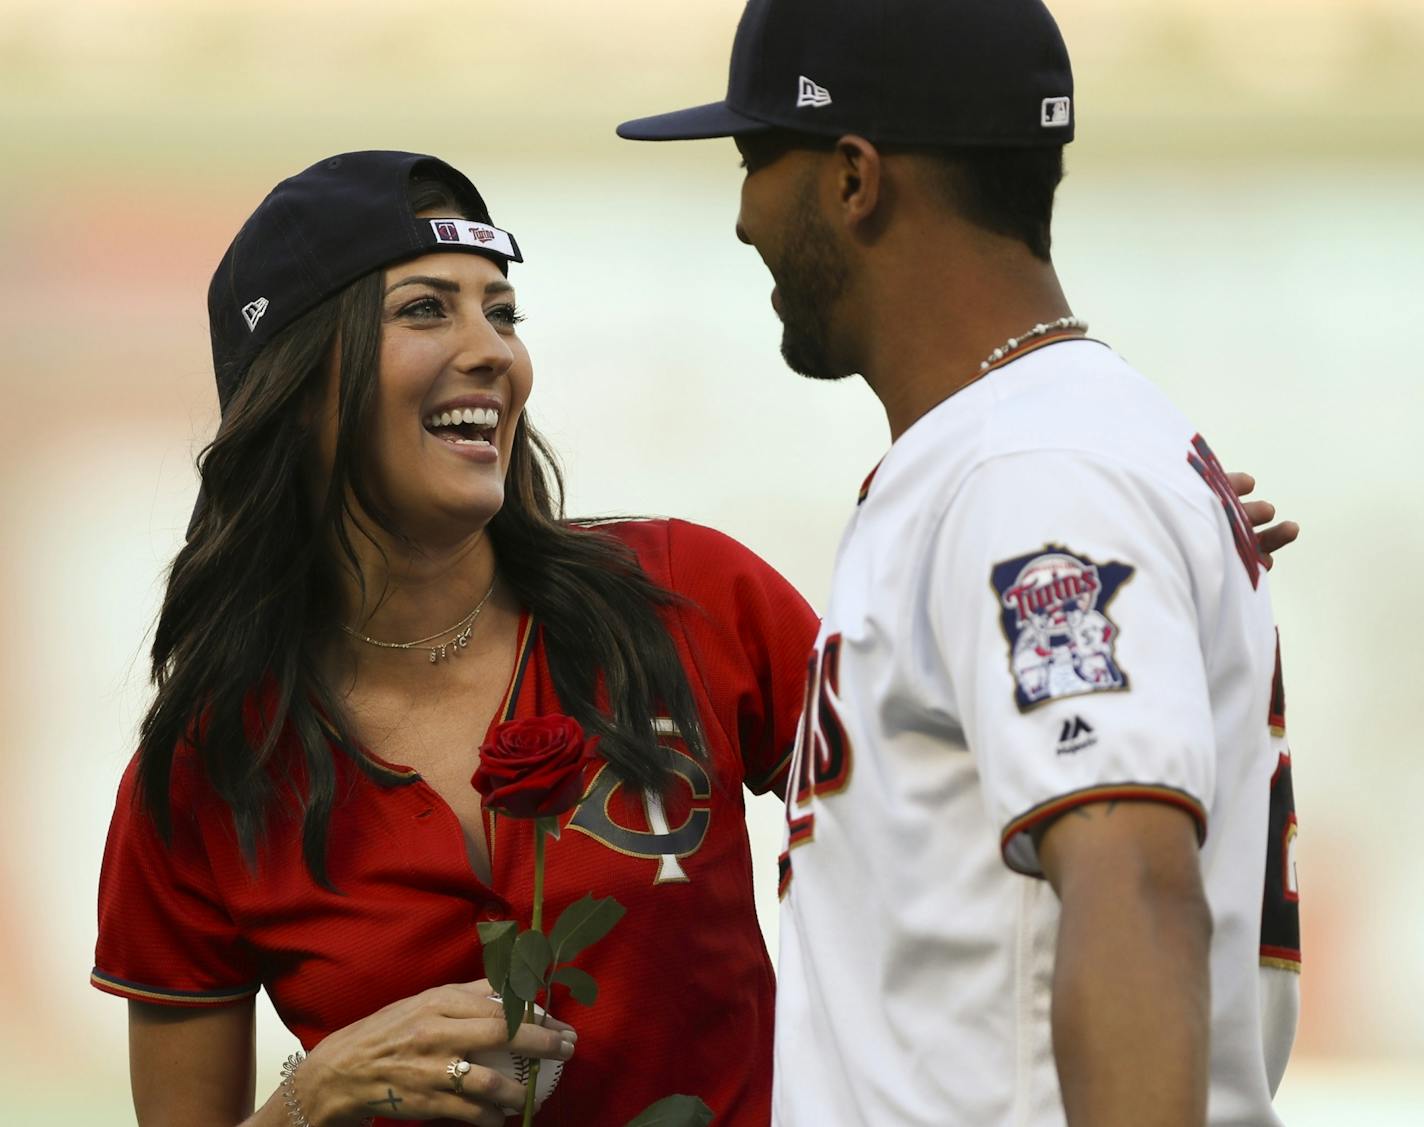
x,y
1047,596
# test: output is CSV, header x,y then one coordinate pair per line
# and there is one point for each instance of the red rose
x,y
534,768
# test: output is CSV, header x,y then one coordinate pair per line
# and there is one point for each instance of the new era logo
x,y
809,94
252,313
1057,113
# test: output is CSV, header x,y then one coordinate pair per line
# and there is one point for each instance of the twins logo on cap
x,y
471,234
1052,606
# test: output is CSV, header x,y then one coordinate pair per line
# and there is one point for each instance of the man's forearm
x,y
1132,1007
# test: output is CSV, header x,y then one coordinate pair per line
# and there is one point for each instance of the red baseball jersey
x,y
685,984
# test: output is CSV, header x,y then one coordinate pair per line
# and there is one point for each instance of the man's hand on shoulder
x,y
1271,539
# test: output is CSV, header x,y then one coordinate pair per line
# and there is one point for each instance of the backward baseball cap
x,y
972,73
318,231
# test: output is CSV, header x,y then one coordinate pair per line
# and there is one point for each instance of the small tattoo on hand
x,y
391,1098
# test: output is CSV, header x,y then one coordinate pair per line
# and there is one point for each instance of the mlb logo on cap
x,y
1057,113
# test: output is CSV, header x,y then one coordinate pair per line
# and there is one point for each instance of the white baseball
x,y
518,1068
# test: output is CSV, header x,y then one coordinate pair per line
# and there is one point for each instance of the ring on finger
x,y
457,1070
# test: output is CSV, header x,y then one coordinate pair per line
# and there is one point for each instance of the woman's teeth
x,y
467,426
478,416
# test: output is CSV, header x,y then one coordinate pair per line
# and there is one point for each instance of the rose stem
x,y
536,922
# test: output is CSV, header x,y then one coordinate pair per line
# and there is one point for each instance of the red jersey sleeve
x,y
164,933
750,635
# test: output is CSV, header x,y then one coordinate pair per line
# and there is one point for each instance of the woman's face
x,y
453,380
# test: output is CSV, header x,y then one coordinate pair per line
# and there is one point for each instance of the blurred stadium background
x,y
1241,219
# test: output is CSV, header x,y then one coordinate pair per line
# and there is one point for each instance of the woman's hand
x,y
1262,512
394,1063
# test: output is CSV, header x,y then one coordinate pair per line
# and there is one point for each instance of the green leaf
x,y
513,1012
497,940
530,964
584,922
580,983
675,1111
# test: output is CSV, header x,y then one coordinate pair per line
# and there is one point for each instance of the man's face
x,y
781,217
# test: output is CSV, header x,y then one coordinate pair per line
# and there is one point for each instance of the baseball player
x,y
1039,864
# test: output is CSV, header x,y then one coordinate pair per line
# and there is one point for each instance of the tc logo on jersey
x,y
609,814
1052,605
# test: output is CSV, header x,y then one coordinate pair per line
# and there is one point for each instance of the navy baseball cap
x,y
320,230
974,73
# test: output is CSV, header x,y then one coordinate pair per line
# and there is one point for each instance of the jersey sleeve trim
x,y
138,992
1017,848
1282,958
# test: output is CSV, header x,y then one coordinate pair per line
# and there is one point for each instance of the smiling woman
x,y
377,573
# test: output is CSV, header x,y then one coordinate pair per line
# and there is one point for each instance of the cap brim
x,y
716,119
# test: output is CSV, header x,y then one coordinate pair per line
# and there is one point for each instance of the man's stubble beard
x,y
813,275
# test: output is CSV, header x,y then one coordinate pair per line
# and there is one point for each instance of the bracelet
x,y
289,1089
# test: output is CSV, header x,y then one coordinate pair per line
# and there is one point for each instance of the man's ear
x,y
859,183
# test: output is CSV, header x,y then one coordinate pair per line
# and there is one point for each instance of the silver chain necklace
x,y
1041,329
462,631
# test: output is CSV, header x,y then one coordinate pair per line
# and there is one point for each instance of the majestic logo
x,y
1052,606
1057,113
252,313
660,842
809,93
1077,735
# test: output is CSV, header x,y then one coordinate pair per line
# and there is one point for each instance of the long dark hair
x,y
251,595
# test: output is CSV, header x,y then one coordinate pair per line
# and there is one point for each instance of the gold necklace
x,y
442,652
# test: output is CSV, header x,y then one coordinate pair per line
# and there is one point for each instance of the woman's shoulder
x,y
183,772
676,551
189,793
715,572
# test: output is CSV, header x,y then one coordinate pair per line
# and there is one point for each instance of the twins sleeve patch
x,y
1053,608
